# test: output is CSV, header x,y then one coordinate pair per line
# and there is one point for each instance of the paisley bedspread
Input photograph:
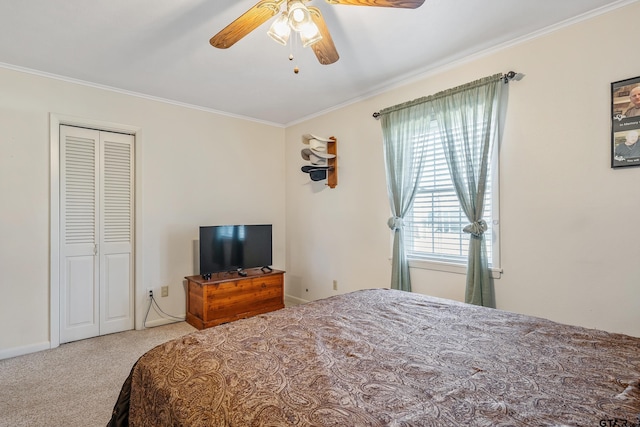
x,y
381,357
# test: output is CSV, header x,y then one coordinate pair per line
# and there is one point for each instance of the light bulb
x,y
299,15
280,30
310,34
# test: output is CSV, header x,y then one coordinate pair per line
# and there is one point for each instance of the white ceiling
x,y
160,48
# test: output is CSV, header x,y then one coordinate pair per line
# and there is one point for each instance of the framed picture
x,y
625,123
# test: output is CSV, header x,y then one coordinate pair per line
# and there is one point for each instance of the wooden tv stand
x,y
228,296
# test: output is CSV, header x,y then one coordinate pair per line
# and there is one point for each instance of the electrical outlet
x,y
149,293
164,291
335,285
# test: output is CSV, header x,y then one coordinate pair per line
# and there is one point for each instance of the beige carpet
x,y
76,384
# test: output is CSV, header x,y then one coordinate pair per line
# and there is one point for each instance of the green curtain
x,y
401,125
467,119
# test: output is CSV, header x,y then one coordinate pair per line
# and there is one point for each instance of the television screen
x,y
234,247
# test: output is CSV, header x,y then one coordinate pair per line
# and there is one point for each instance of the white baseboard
x,y
46,345
291,300
21,351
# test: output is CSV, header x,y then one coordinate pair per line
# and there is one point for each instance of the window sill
x,y
427,264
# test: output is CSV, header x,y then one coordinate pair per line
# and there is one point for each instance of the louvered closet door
x,y
116,225
96,178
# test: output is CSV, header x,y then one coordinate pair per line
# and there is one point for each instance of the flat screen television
x,y
226,248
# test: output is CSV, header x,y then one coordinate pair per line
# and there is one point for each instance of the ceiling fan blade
x,y
247,22
325,50
405,4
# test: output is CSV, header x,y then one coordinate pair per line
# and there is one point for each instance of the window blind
x,y
433,229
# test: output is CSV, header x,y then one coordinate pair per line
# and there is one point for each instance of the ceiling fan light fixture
x,y
310,34
299,15
280,30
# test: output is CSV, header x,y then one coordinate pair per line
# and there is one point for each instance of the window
x,y
433,229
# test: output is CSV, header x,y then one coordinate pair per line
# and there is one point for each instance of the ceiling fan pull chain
x,y
292,47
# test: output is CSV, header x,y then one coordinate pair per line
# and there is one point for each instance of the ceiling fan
x,y
306,21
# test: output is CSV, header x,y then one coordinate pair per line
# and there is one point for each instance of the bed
x,y
381,357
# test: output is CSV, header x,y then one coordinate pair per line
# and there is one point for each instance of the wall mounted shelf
x,y
332,173
322,153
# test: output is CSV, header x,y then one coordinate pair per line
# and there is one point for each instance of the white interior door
x,y
116,227
96,229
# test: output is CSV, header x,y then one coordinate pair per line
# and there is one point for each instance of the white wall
x,y
195,168
570,248
570,244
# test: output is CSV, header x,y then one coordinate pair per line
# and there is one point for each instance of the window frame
x,y
436,263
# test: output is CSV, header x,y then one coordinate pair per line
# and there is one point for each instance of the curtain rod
x,y
507,77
